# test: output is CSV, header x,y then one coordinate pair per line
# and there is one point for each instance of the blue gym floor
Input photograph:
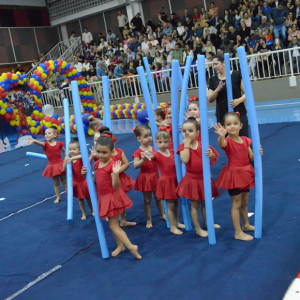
x,y
36,237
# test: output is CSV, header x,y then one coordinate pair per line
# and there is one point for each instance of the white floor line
x,y
30,284
29,207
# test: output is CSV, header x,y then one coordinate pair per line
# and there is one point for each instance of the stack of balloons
x,y
8,113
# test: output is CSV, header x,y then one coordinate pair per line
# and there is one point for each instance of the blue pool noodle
x,y
36,155
69,166
205,146
106,112
175,133
255,141
86,163
151,117
151,83
228,80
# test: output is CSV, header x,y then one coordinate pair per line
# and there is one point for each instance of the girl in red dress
x,y
147,179
193,110
127,183
191,186
53,151
167,183
80,187
163,117
112,200
238,175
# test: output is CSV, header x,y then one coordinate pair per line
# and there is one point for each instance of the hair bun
x,y
75,139
192,118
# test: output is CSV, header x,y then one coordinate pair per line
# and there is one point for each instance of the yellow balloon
x,y
28,119
44,75
14,76
58,128
32,129
38,100
19,73
52,67
17,122
65,75
48,124
84,104
90,93
32,80
2,111
75,127
40,87
36,112
1,102
36,83
80,93
90,105
4,105
41,115
33,123
90,131
51,62
4,75
95,108
37,129
84,93
12,122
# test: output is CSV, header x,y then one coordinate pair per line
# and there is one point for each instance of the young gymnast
x,y
80,187
238,175
112,200
191,186
193,110
53,151
147,179
167,183
95,123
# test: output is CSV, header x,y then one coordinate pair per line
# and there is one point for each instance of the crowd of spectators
x,y
259,26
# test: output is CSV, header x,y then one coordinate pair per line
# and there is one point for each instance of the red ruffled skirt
x,y
113,204
146,182
166,188
80,189
236,177
127,183
54,170
192,187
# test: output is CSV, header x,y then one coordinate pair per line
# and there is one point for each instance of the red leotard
x,y
238,173
127,182
191,186
167,183
111,202
148,176
55,161
80,187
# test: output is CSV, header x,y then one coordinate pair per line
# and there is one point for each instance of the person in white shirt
x,y
180,29
86,65
87,36
123,47
122,21
72,37
171,45
145,44
77,65
103,44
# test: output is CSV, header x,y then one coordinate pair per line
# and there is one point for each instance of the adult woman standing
x,y
217,92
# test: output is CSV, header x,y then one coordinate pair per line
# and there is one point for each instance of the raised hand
x,y
220,130
186,141
30,141
93,152
117,167
147,154
220,86
68,159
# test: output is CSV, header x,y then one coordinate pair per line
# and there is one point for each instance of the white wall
x,y
24,2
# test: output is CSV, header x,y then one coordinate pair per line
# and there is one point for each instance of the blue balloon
x,y
85,119
55,66
91,109
81,97
62,71
12,81
44,127
17,80
55,116
9,110
86,85
6,80
63,120
34,136
86,97
80,86
36,107
28,133
37,78
38,123
142,115
68,66
39,96
35,93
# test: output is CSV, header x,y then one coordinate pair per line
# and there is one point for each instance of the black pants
x,y
121,32
244,120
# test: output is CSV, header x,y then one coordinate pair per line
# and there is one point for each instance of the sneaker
x,y
255,78
251,77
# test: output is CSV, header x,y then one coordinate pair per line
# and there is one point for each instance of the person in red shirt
x,y
196,15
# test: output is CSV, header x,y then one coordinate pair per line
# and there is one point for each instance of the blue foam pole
x,y
151,83
86,163
205,146
228,80
69,167
36,155
106,112
151,117
180,80
175,132
255,141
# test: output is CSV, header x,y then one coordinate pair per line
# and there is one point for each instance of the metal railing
x,y
63,50
261,66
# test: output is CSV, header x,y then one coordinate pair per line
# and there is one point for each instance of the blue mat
x,y
173,267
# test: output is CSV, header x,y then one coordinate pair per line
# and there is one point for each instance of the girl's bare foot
x,y
182,226
202,233
106,219
176,231
57,200
92,213
163,217
83,217
118,251
134,251
248,228
127,224
149,224
217,226
243,236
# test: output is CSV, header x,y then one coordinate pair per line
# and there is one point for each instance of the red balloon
x,y
87,89
40,105
88,101
81,77
9,75
35,87
93,101
31,84
24,131
35,71
53,121
4,94
49,69
42,79
24,123
38,73
46,63
7,117
13,117
47,119
39,92
71,68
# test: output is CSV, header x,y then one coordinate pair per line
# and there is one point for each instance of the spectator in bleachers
x,y
278,20
113,61
295,54
177,54
180,29
188,23
264,25
296,10
137,23
167,30
196,15
110,35
145,44
174,20
187,52
186,15
87,36
252,64
19,69
151,50
118,71
72,37
233,7
130,54
123,58
208,47
212,10
149,58
122,22
254,12
293,32
101,36
86,65
264,61
232,34
34,62
227,46
253,41
138,62
140,52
